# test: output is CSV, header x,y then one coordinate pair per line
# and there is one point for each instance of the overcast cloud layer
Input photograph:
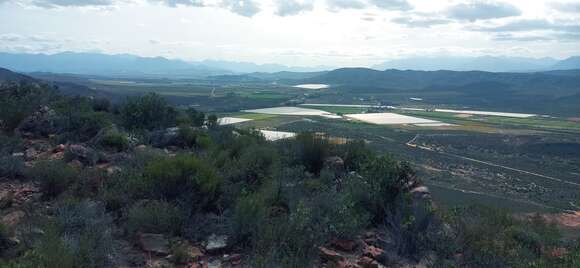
x,y
293,32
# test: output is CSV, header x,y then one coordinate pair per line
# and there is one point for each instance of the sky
x,y
293,32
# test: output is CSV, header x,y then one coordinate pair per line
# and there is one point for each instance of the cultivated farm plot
x,y
231,120
312,86
393,119
293,111
271,135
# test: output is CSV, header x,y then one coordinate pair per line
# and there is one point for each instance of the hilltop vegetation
x,y
86,183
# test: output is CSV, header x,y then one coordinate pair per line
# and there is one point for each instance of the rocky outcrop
x,y
85,155
154,243
41,123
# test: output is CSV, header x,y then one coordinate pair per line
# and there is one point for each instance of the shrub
x,y
312,151
147,112
116,140
79,235
183,176
101,105
55,177
17,102
212,121
11,167
154,217
197,118
491,237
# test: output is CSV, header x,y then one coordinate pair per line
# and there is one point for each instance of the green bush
x,y
154,217
197,118
381,189
115,139
79,236
55,177
147,112
184,176
77,121
17,102
490,237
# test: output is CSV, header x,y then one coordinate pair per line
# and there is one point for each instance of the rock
x,y
367,262
60,148
195,253
234,259
141,147
31,154
154,243
20,154
83,154
41,123
330,255
164,138
216,243
344,245
372,252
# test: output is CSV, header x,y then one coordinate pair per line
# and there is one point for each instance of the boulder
x,y
154,243
85,155
164,138
335,164
373,252
330,255
41,123
367,262
216,243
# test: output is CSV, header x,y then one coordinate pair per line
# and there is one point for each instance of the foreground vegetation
x,y
145,167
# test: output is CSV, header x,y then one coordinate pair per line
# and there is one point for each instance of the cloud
x,y
336,5
420,22
175,3
246,8
520,38
292,7
71,3
559,37
402,5
533,25
569,7
482,10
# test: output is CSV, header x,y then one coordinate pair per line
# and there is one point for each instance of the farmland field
x,y
390,119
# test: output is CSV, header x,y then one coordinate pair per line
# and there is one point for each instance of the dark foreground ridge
x,y
84,183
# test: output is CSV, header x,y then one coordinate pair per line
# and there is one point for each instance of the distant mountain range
x,y
126,65
131,65
484,63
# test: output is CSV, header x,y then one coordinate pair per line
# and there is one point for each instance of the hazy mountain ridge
x,y
131,65
483,63
397,79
